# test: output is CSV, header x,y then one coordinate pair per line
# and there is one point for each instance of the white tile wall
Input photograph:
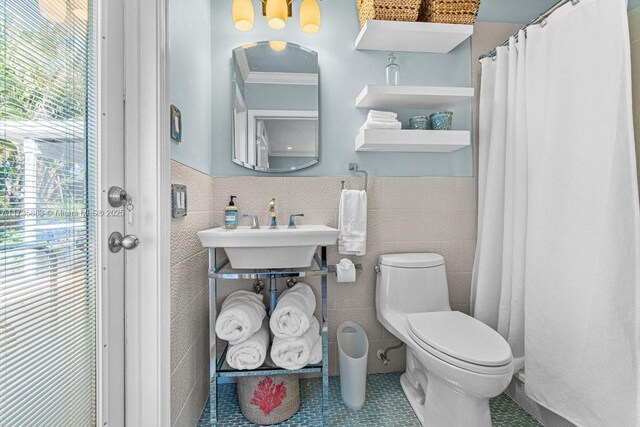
x,y
405,215
189,296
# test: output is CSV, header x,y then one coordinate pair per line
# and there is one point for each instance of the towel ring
x,y
354,168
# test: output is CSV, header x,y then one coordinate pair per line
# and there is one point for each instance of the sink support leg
x,y
273,294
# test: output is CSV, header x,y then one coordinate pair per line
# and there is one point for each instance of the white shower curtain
x,y
498,279
558,255
582,263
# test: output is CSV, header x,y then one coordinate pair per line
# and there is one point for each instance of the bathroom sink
x,y
270,248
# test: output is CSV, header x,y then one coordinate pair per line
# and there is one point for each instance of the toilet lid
x,y
461,337
413,260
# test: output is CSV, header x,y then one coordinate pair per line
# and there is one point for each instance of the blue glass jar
x,y
419,123
441,120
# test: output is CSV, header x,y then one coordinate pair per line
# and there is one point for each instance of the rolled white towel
x,y
250,353
294,312
381,115
374,124
299,352
240,317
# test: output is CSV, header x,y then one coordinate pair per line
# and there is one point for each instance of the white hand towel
x,y
294,312
240,317
251,353
299,352
346,271
352,223
375,114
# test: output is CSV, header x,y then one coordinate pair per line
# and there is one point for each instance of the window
x,y
47,221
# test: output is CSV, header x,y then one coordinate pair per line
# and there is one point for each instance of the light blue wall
x,y
343,74
197,47
190,80
519,11
512,11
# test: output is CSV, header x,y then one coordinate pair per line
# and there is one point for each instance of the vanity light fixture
x,y
277,13
310,16
277,45
243,14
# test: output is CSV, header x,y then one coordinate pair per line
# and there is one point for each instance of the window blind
x,y
47,216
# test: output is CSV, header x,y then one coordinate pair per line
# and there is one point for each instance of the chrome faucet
x,y
255,224
272,209
292,220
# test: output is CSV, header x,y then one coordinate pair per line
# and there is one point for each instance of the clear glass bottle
x,y
393,71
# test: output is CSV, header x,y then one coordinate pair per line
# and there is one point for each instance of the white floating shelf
x,y
381,96
399,36
412,141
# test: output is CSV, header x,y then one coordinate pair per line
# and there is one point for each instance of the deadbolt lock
x,y
117,196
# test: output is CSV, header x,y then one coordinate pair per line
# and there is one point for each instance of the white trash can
x,y
353,349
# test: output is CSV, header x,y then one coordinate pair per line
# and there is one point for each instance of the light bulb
x,y
243,14
277,45
310,16
277,13
53,10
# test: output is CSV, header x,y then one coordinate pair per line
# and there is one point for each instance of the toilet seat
x,y
461,340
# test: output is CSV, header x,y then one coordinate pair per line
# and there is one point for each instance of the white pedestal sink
x,y
270,248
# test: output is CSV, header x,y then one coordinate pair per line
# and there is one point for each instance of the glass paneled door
x,y
50,214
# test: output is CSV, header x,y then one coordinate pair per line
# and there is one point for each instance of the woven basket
x,y
389,10
449,11
269,400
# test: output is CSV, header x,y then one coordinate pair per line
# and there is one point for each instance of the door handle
x,y
118,242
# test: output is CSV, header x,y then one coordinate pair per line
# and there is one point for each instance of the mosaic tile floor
x,y
386,407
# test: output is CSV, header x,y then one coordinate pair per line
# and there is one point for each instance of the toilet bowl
x,y
455,363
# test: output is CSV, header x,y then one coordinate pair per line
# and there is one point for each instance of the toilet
x,y
455,363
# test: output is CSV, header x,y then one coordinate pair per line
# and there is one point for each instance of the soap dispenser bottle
x,y
231,215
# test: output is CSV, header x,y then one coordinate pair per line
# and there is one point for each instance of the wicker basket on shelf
x,y
269,400
449,11
389,10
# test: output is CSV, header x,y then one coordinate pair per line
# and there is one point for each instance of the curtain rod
x,y
542,20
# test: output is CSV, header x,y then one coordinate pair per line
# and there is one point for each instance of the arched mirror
x,y
275,106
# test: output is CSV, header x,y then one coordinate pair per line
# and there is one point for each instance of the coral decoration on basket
x,y
269,396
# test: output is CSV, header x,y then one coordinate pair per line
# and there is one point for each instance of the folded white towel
x,y
381,115
240,317
250,353
352,223
382,119
374,124
294,312
299,352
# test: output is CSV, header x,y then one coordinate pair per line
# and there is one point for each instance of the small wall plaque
x,y
178,200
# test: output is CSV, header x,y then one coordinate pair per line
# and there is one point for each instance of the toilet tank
x,y
412,283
